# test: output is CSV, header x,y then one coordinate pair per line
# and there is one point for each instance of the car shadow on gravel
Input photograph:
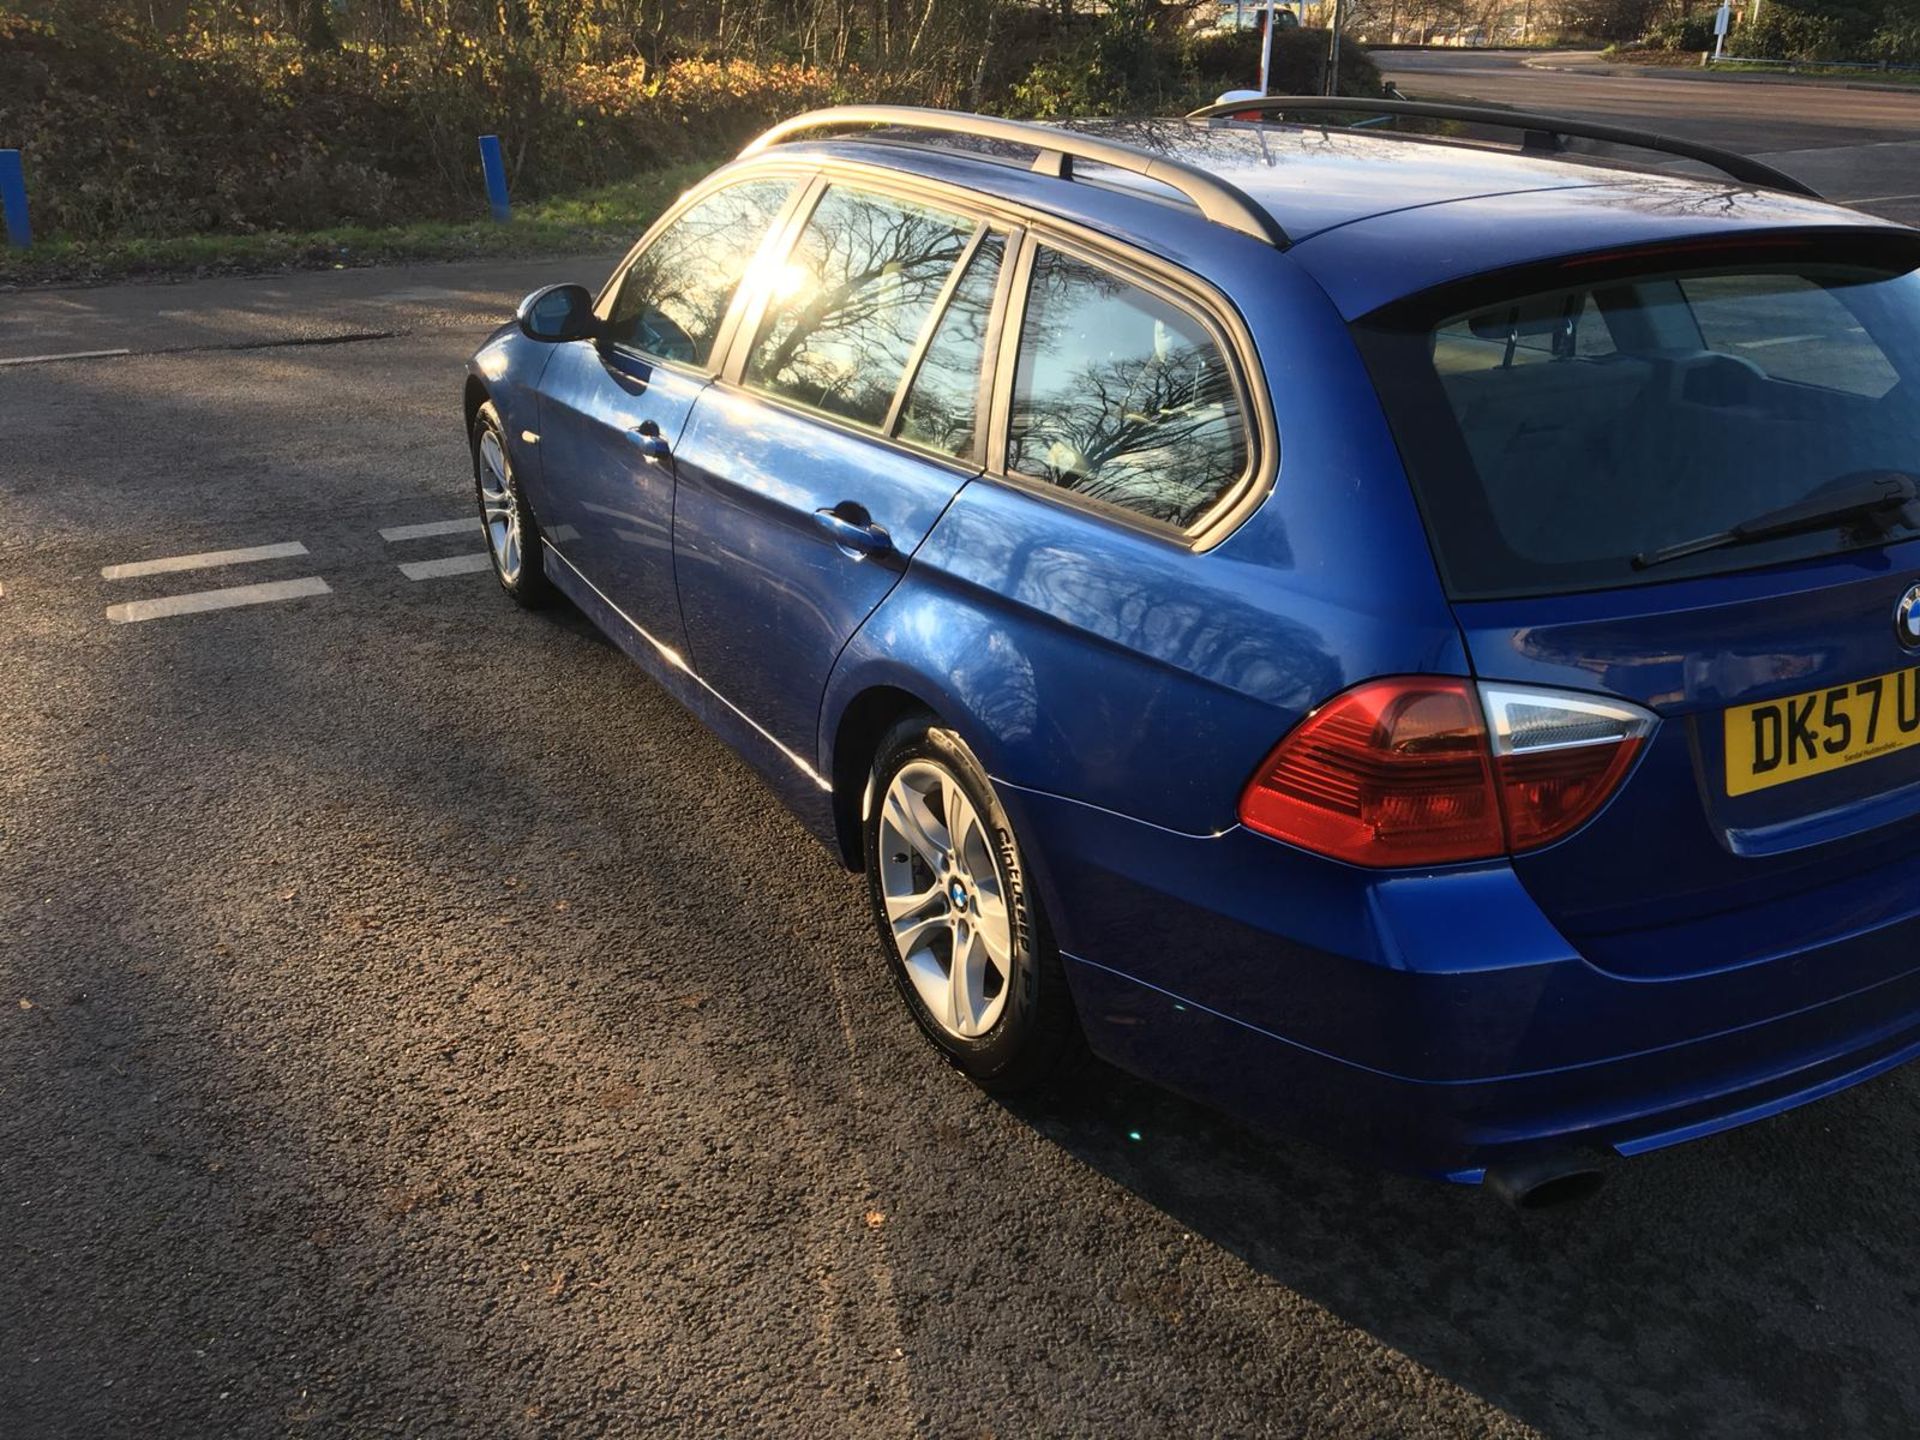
x,y
1756,1283
413,1054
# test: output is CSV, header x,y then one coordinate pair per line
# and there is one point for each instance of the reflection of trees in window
x,y
860,285
940,406
675,294
1122,397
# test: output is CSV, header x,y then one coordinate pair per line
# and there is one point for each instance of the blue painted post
x,y
496,173
13,199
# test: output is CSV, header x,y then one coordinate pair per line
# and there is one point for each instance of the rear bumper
x,y
1457,1129
1436,1023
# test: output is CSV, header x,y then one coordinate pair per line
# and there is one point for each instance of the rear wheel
x,y
961,929
513,540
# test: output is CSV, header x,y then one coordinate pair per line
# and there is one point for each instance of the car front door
x,y
613,408
852,416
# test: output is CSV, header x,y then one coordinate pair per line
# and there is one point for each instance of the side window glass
x,y
674,295
849,305
942,404
1122,397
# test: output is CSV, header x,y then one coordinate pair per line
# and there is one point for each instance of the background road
x,y
1857,146
412,1023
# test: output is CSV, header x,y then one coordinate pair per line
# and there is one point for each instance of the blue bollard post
x,y
496,172
13,199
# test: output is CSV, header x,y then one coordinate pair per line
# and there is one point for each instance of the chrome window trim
x,y
1229,334
1025,228
924,341
985,411
891,184
752,316
967,467
749,311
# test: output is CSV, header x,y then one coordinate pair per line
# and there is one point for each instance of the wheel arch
x,y
476,395
864,721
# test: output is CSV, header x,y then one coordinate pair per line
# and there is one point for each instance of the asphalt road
x,y
1861,147
413,1023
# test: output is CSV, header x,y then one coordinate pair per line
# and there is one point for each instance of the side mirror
x,y
557,313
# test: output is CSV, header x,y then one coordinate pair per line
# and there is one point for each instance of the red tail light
x,y
1408,771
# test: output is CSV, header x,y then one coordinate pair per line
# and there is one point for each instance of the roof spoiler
x,y
1542,133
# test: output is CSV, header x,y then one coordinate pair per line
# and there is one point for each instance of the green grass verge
x,y
1690,60
606,218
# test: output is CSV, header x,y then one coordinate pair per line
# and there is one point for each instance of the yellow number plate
x,y
1821,730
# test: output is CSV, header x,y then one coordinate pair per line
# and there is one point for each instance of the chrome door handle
x,y
852,536
653,445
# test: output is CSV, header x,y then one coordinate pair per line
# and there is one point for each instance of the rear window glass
x,y
1561,440
1792,327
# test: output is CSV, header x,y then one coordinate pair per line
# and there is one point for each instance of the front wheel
x,y
961,929
513,540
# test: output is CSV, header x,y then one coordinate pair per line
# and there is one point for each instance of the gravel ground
x,y
412,1023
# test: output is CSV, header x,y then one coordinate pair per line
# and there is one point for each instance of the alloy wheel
x,y
945,899
498,510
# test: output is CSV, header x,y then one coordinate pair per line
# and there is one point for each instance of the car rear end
x,y
1669,490
1425,811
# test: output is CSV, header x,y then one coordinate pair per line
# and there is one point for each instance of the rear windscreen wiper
x,y
1868,499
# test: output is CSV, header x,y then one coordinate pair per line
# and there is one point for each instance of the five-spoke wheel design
x,y
945,899
497,508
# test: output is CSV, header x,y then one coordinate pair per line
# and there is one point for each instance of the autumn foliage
x,y
150,122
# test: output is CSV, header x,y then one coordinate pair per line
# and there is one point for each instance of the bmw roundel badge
x,y
1906,618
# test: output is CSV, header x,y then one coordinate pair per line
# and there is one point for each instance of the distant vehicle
x,y
1231,17
1410,640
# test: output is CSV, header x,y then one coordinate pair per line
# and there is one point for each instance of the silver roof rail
x,y
1543,132
1056,149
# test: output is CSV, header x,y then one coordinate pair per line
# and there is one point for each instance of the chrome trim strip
x,y
934,316
1635,721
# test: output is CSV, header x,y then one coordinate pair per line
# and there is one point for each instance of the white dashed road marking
x,y
199,600
452,565
1773,340
204,561
69,355
431,528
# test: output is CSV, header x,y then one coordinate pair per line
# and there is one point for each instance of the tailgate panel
x,y
1657,884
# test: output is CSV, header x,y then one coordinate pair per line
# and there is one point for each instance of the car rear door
x,y
849,419
1583,457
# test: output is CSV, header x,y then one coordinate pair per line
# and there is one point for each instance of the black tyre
x,y
950,892
513,537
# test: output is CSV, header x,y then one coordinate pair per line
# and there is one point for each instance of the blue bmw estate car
x,y
1407,639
